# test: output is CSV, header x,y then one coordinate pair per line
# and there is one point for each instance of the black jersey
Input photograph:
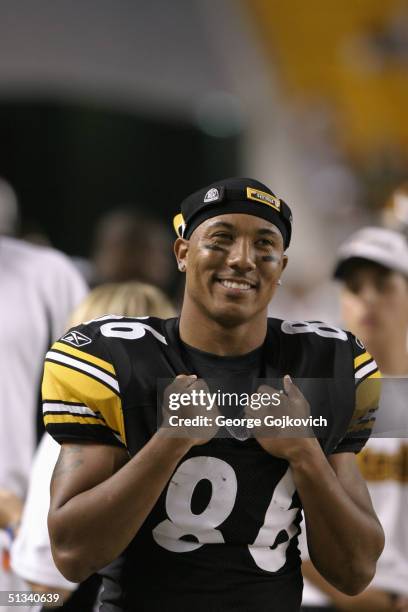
x,y
223,533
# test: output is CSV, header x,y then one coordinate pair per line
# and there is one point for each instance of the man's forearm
x,y
344,539
370,600
95,526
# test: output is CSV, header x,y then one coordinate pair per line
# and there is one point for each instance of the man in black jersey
x,y
200,521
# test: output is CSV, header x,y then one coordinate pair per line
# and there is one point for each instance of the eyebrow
x,y
263,231
220,224
267,230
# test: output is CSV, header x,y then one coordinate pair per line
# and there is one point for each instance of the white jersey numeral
x,y
183,523
129,330
278,518
178,504
313,327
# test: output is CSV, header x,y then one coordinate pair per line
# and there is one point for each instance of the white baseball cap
x,y
377,244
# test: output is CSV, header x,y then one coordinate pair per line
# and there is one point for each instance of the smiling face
x,y
233,263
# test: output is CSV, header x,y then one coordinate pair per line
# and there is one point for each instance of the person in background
x,y
131,246
9,210
372,268
127,299
31,553
394,213
39,289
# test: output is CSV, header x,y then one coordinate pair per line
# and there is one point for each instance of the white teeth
x,y
235,285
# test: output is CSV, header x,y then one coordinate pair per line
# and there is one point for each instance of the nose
x,y
368,293
241,256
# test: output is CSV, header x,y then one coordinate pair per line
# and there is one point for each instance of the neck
x,y
214,337
391,357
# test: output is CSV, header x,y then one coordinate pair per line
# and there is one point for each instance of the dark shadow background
x,y
69,163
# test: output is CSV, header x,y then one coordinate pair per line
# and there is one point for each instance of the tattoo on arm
x,y
69,460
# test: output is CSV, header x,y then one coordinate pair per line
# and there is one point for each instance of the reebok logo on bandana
x,y
76,338
263,197
212,195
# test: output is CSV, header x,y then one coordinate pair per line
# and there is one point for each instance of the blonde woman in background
x,y
31,553
132,299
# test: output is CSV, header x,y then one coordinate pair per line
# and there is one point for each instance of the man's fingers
x,y
188,378
183,381
291,390
248,410
267,389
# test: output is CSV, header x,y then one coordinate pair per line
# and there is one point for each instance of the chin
x,y
230,315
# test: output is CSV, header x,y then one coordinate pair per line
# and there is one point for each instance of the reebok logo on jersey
x,y
359,343
76,338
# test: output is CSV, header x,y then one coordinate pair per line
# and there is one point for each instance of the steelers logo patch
x,y
212,195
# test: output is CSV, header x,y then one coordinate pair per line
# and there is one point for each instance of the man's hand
x,y
401,604
283,442
11,508
192,421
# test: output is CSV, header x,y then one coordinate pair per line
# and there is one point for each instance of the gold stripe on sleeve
x,y
70,350
71,418
362,426
367,398
376,374
61,383
361,359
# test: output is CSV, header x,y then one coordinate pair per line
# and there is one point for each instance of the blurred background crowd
x,y
112,112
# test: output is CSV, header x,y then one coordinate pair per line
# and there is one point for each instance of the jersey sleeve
x,y
80,390
367,395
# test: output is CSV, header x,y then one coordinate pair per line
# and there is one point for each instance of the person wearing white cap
x,y
372,267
